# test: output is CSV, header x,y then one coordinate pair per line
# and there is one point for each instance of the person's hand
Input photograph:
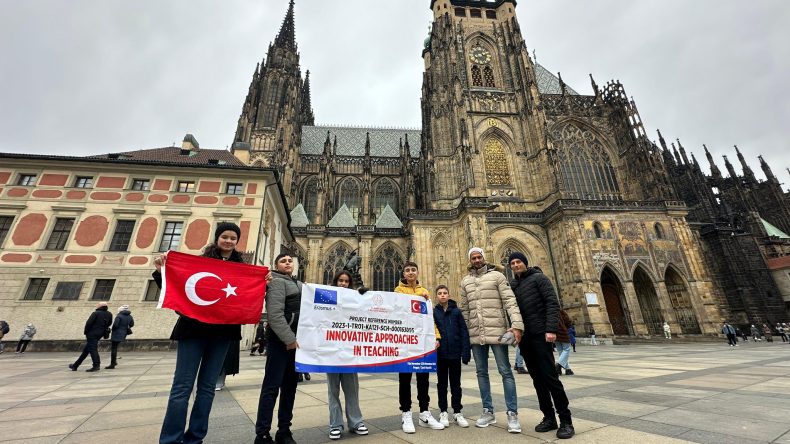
x,y
437,345
551,337
269,277
292,346
516,334
159,262
465,360
426,295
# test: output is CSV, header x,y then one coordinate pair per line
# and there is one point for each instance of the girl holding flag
x,y
200,354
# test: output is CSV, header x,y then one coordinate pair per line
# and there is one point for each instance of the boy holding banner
x,y
411,286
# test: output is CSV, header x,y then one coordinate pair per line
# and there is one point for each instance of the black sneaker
x,y
565,431
110,367
93,369
73,367
547,425
559,369
264,439
568,371
284,437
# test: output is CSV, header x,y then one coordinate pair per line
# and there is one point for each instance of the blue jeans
x,y
195,358
480,353
519,359
564,348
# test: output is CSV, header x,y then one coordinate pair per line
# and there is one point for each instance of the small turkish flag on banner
x,y
211,290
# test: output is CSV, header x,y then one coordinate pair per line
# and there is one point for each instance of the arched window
x,y
310,197
510,247
598,229
497,169
488,76
334,261
270,106
348,192
387,268
385,192
659,230
587,170
477,77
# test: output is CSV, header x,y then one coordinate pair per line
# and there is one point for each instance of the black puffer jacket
x,y
98,322
454,334
537,301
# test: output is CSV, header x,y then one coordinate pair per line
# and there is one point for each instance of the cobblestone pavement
x,y
707,393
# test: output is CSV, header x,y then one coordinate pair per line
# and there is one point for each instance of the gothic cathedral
x,y
509,158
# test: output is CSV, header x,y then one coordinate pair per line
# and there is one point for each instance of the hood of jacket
x,y
529,272
450,304
485,269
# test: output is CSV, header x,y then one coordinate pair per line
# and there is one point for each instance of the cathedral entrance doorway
x,y
681,303
613,297
648,302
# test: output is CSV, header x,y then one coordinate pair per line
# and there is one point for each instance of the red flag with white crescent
x,y
212,290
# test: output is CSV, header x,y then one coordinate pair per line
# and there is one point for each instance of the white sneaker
x,y
444,419
427,420
460,420
407,423
486,419
513,426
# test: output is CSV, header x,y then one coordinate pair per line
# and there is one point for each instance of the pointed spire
x,y
286,38
714,170
406,147
683,152
367,144
677,155
729,167
594,85
661,140
563,87
694,162
334,145
747,172
767,170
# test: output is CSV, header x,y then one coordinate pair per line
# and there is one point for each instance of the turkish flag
x,y
212,290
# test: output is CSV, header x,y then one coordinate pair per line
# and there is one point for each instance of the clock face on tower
x,y
480,56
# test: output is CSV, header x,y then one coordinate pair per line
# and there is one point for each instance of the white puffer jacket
x,y
486,301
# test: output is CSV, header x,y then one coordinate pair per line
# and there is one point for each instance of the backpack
x,y
5,327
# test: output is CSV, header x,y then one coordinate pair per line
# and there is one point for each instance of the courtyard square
x,y
705,393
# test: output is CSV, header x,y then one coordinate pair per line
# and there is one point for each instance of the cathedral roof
x,y
384,142
388,219
342,219
299,217
548,83
176,155
773,231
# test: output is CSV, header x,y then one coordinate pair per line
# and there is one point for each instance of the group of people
x,y
27,335
756,333
100,324
490,315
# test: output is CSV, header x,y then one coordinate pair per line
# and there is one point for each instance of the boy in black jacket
x,y
454,347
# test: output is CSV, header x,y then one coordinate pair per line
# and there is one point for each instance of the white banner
x,y
342,331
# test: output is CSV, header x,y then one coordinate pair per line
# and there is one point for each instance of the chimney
x,y
242,151
190,143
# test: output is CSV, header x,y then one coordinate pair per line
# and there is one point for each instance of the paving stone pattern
x,y
705,393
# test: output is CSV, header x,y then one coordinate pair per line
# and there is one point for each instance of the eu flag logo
x,y
419,307
324,296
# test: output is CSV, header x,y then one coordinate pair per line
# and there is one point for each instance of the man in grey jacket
x,y
490,311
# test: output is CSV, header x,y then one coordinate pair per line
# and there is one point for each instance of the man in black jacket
x,y
540,310
97,324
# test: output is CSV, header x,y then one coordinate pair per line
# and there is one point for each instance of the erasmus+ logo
x,y
324,296
419,307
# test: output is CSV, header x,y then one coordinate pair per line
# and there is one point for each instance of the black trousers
x,y
21,346
91,348
540,364
114,353
784,337
404,391
731,339
279,378
449,369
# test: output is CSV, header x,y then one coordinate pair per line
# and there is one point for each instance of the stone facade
x,y
79,230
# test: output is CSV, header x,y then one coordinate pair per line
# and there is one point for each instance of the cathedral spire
x,y
714,170
767,170
286,38
747,172
730,168
677,155
307,104
683,152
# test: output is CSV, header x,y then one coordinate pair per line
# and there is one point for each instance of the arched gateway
x,y
614,299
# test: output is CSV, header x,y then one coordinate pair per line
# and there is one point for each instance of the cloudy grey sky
x,y
96,76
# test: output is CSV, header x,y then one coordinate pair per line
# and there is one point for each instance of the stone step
x,y
681,339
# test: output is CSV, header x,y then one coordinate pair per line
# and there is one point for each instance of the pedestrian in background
x,y
96,327
572,335
667,332
782,332
563,344
27,336
519,365
121,327
755,334
230,366
260,339
4,329
592,336
769,335
729,330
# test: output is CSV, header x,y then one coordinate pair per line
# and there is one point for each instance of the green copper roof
x,y
772,230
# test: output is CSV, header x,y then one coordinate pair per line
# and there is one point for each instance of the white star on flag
x,y
230,291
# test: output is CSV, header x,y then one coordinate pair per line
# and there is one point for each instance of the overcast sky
x,y
97,76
